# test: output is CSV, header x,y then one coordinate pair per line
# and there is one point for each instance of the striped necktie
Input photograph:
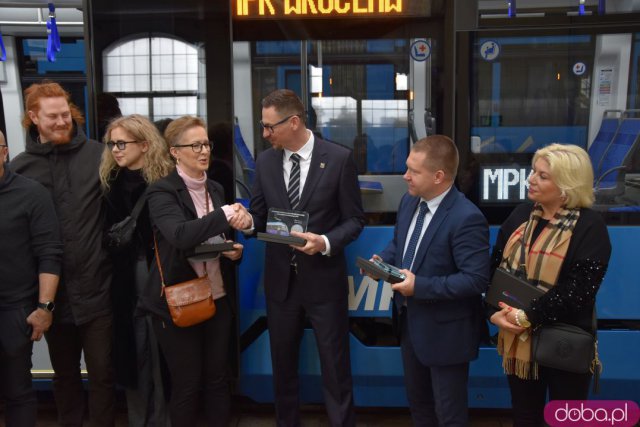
x,y
407,260
294,181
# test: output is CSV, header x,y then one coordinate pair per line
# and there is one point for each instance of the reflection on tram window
x,y
156,76
531,91
354,96
572,89
34,54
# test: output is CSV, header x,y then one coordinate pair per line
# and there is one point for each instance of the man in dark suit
x,y
441,243
305,173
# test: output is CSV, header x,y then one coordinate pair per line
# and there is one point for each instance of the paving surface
x,y
255,415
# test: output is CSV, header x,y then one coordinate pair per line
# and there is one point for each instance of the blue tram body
x,y
377,369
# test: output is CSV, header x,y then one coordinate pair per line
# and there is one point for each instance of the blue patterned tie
x,y
415,236
294,192
294,181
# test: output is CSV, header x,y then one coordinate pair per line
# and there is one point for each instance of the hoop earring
x,y
177,161
563,195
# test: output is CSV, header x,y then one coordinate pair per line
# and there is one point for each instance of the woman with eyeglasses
x,y
135,156
187,210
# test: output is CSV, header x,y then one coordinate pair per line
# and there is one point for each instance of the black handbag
x,y
120,234
568,348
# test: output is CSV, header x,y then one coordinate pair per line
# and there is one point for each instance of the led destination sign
x,y
296,9
504,184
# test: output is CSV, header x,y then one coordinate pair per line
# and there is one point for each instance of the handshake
x,y
240,219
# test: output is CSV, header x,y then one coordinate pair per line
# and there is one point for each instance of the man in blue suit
x,y
305,173
441,243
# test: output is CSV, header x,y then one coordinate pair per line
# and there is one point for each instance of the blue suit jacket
x,y
331,196
445,314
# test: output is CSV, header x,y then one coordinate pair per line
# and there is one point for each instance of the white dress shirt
x,y
433,206
305,163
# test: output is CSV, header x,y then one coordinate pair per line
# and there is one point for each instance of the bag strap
x,y
137,208
155,241
155,250
596,365
522,266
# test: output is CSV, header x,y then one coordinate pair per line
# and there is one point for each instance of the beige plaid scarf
x,y
543,264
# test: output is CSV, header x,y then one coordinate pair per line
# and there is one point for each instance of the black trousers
x,y
528,397
437,395
330,322
66,343
198,361
15,368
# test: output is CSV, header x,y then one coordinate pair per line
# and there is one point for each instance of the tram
x,y
375,77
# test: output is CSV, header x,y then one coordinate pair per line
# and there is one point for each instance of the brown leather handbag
x,y
189,302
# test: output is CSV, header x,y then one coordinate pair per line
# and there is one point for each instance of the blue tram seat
x,y
616,160
608,130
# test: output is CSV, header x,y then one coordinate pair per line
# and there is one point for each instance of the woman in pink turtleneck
x,y
186,210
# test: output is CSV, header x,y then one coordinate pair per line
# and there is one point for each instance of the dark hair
x,y
286,102
162,124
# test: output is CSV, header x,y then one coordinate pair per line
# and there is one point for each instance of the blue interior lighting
x,y
512,8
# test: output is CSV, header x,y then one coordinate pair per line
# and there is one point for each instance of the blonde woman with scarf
x,y
567,251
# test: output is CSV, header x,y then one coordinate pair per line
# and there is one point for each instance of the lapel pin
x,y
322,165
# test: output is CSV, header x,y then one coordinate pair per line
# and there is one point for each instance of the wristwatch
x,y
47,306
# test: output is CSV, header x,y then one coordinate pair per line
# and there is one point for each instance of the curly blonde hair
x,y
157,162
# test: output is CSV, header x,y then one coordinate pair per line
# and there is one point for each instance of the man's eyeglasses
x,y
197,146
270,128
120,144
3,145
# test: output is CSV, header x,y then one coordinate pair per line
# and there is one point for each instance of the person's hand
x,y
241,219
40,321
235,253
407,286
506,319
315,243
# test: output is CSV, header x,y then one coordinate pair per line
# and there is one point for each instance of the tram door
x,y
375,97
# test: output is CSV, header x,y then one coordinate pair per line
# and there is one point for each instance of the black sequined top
x,y
571,300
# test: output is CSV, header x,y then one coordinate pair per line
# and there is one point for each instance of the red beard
x,y
64,139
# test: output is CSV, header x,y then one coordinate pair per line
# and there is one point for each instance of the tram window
x,y
68,68
634,78
531,91
354,98
528,92
155,76
33,58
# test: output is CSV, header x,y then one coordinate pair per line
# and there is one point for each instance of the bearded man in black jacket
x,y
30,258
60,157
